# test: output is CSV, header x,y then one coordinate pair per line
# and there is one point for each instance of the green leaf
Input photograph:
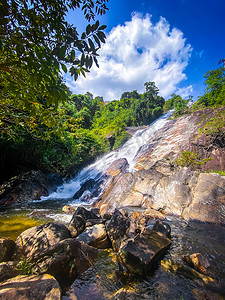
x,y
72,54
82,59
102,27
88,29
64,68
83,72
101,36
56,65
83,36
97,40
95,26
62,51
92,46
96,61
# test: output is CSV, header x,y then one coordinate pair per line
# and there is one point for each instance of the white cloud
x,y
185,92
135,53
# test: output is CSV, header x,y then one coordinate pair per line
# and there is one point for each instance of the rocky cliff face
x,y
159,184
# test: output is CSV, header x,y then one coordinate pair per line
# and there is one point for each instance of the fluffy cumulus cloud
x,y
135,53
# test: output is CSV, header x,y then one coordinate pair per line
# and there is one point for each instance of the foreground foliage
x,y
37,46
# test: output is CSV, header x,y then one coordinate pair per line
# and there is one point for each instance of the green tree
x,y
38,45
215,90
177,103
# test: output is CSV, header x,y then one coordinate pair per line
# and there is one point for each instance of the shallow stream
x,y
104,281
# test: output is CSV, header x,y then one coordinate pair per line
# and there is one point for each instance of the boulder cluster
x,y
51,256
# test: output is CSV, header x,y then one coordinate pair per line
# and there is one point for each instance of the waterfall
x,y
91,177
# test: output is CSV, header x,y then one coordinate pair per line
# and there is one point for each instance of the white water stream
x,y
96,170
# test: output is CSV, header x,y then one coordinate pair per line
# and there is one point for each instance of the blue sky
x,y
171,42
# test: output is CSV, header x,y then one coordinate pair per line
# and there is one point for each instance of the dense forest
x,y
77,130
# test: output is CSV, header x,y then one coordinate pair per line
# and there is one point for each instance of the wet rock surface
x,y
143,260
85,214
24,188
117,167
140,254
117,228
76,225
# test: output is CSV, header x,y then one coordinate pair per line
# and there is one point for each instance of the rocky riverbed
x,y
132,253
151,231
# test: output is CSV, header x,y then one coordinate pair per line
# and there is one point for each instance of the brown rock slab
x,y
117,167
24,188
36,287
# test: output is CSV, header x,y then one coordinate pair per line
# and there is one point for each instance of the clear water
x,y
103,281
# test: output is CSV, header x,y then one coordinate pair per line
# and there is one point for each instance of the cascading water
x,y
94,173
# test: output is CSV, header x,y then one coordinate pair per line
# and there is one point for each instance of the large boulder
x,y
35,287
117,228
76,225
183,192
85,214
7,249
140,254
66,260
95,236
24,188
35,241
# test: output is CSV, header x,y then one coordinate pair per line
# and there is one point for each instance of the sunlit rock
x,y
188,272
66,260
33,287
68,209
197,261
37,240
95,236
118,166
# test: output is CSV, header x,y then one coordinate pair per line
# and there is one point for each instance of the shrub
x,y
191,160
